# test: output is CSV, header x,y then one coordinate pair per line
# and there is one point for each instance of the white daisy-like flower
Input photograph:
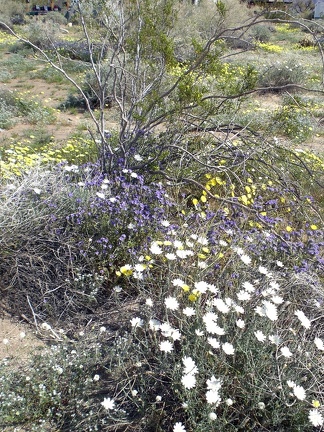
x,y
166,346
263,270
228,348
137,322
248,287
178,244
315,417
246,259
299,392
277,299
158,398
210,317
165,223
260,311
96,378
188,381
178,427
305,322
275,339
201,286
213,342
202,240
319,344
279,264
155,249
229,402
170,256
177,282
175,334
199,332
243,295
214,384
202,265
183,254
138,157
213,397
108,404
260,336
285,351
171,303
261,405
239,309
240,323
189,311
221,305
222,243
291,384
270,310
154,324
166,329
189,365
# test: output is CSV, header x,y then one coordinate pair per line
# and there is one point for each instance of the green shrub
x,y
261,33
281,74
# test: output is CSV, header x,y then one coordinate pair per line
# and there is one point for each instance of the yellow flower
x,y
203,199
185,287
126,270
195,201
193,297
288,228
316,403
313,227
220,255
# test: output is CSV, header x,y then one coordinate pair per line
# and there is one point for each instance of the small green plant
x,y
281,74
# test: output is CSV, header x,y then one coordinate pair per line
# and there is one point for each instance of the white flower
x,y
213,342
291,384
277,299
199,332
175,334
270,310
189,365
178,427
228,348
299,392
5,341
229,402
213,397
154,324
96,378
138,157
158,398
134,392
305,322
165,223
22,335
243,295
189,311
37,191
171,303
260,336
212,416
188,381
201,286
279,264
178,244
285,351
248,287
239,309
134,175
261,405
221,306
137,322
222,243
263,270
178,282
170,256
214,384
183,253
102,329
155,249
140,267
166,346
246,259
319,344
108,404
275,339
166,329
315,417
149,302
240,323
100,195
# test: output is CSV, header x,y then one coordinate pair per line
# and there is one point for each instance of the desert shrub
x,y
261,33
12,12
281,74
72,227
56,17
42,34
294,119
7,115
219,340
